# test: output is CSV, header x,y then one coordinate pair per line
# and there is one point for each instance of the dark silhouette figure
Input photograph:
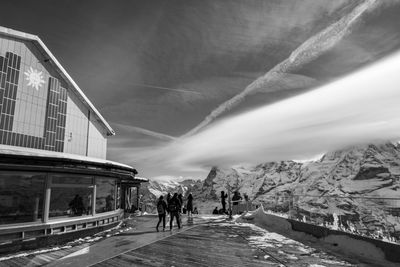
x,y
173,207
77,206
180,197
235,202
223,200
168,197
215,211
109,203
189,205
162,211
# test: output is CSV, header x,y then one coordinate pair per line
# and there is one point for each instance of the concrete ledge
x,y
51,240
391,250
354,247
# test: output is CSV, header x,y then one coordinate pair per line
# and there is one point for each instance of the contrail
x,y
305,53
167,88
161,136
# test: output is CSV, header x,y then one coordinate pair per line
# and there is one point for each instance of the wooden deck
x,y
199,243
225,245
203,245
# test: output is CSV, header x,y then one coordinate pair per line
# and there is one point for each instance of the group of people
x,y
236,199
174,207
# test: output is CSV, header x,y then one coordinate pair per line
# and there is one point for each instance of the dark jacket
x,y
164,206
189,204
174,205
236,198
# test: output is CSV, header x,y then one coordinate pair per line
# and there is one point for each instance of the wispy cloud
x,y
357,109
146,132
180,90
305,53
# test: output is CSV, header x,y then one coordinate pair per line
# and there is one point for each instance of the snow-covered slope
x,y
355,184
345,183
152,190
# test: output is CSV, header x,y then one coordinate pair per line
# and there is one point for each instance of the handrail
x,y
360,197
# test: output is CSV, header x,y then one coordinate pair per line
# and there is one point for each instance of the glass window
x,y
70,201
105,194
71,179
21,197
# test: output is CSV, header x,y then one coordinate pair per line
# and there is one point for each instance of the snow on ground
x,y
281,247
41,251
341,244
77,242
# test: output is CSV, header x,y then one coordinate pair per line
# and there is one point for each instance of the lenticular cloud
x,y
363,107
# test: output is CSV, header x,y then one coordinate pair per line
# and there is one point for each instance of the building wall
x,y
36,108
97,143
76,128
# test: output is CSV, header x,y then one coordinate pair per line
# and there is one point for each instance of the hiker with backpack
x,y
174,207
162,212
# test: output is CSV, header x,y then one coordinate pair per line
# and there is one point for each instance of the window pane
x,y
71,179
105,194
67,201
21,197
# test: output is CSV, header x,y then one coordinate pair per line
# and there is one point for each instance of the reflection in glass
x,y
21,197
70,201
71,179
105,194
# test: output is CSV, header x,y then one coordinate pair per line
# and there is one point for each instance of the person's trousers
x,y
235,209
161,217
176,215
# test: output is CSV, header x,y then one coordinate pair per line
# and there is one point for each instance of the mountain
x,y
152,190
357,184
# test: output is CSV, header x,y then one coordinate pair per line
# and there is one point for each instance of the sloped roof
x,y
61,71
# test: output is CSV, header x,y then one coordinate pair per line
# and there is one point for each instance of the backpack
x,y
172,206
160,208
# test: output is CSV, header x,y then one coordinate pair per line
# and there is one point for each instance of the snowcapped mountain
x,y
356,184
359,184
152,190
370,170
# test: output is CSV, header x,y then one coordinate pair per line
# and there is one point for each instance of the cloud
x,y
169,178
305,53
133,129
359,108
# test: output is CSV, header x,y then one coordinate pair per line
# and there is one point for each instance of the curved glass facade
x,y
23,196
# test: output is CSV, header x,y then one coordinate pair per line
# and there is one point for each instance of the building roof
x,y
61,71
10,156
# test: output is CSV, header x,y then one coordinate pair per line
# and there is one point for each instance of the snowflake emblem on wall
x,y
34,78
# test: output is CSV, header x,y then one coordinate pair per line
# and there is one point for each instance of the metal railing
x,y
368,216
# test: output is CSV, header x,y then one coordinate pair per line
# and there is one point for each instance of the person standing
x,y
180,197
235,202
173,207
189,205
223,201
162,212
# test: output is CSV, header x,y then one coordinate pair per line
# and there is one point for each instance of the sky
x,y
170,75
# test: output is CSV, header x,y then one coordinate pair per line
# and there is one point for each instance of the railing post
x,y
47,199
229,201
290,205
94,198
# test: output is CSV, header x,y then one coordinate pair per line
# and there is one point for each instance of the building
x,y
54,176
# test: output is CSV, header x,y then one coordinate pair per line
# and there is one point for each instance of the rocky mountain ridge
x,y
360,184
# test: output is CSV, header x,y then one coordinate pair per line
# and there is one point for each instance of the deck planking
x,y
200,246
